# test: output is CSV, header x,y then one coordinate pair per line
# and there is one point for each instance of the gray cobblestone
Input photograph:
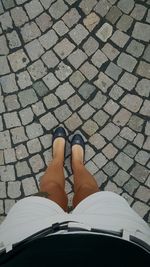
x,y
120,38
37,70
121,177
138,12
8,4
18,60
4,63
1,157
64,48
147,128
27,97
97,141
71,17
26,115
110,51
46,140
90,46
116,92
2,190
78,34
131,102
147,144
124,161
136,123
113,14
145,110
102,8
11,102
105,32
44,22
5,141
34,130
90,127
64,91
140,208
6,81
128,198
13,189
131,186
98,59
63,71
119,142
75,102
98,101
110,168
135,48
62,113
146,55
50,59
34,49
122,117
3,46
113,188
111,107
73,122
76,79
29,186
103,82
30,31
130,150
48,39
34,146
100,160
51,101
34,8
2,107
140,173
51,81
7,173
143,87
9,155
36,163
86,111
8,203
91,167
110,131
60,28
139,139
6,21
21,152
128,81
23,79
58,9
127,133
110,151
48,121
125,6
141,31
124,23
77,58
13,39
143,69
19,16
22,168
86,90
11,120
126,62
142,157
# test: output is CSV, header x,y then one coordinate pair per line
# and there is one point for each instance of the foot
x,y
77,155
59,149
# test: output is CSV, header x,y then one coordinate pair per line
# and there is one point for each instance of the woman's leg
x,y
53,181
84,183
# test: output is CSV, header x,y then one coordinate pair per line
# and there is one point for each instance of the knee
x,y
51,186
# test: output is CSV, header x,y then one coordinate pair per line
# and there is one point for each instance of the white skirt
x,y
102,210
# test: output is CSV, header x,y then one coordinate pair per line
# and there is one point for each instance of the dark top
x,y
76,250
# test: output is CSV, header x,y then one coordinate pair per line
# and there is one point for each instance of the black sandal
x,y
59,132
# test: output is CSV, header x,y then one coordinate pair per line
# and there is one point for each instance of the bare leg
x,y
84,183
53,181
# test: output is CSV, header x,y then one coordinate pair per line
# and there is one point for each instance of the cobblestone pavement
x,y
84,64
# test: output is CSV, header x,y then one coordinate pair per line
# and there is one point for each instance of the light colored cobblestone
x,y
110,131
63,71
105,32
110,51
124,161
121,177
9,155
86,90
135,48
1,157
91,167
60,28
48,39
71,17
125,6
34,49
5,141
13,189
90,127
11,102
11,120
6,81
4,63
36,163
30,31
143,87
90,46
34,8
119,142
2,107
7,173
77,58
136,123
64,48
78,34
34,130
2,190
130,150
110,151
3,46
26,116
27,97
112,188
128,81
74,102
37,70
19,16
62,113
141,31
97,141
87,6
51,101
119,38
139,139
18,135
127,133
140,173
131,102
48,121
111,107
147,144
147,128
100,178
102,7
103,82
143,69
98,59
22,168
73,122
46,140
113,14
8,203
13,39
23,79
145,110
140,208
124,23
50,59
142,157
86,111
131,186
110,168
29,186
6,21
18,60
100,160
91,21
122,117
88,70
126,62
21,152
44,22
34,146
76,79
64,91
1,208
51,81
58,9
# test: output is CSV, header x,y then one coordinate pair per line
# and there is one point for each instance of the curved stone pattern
x,y
84,64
